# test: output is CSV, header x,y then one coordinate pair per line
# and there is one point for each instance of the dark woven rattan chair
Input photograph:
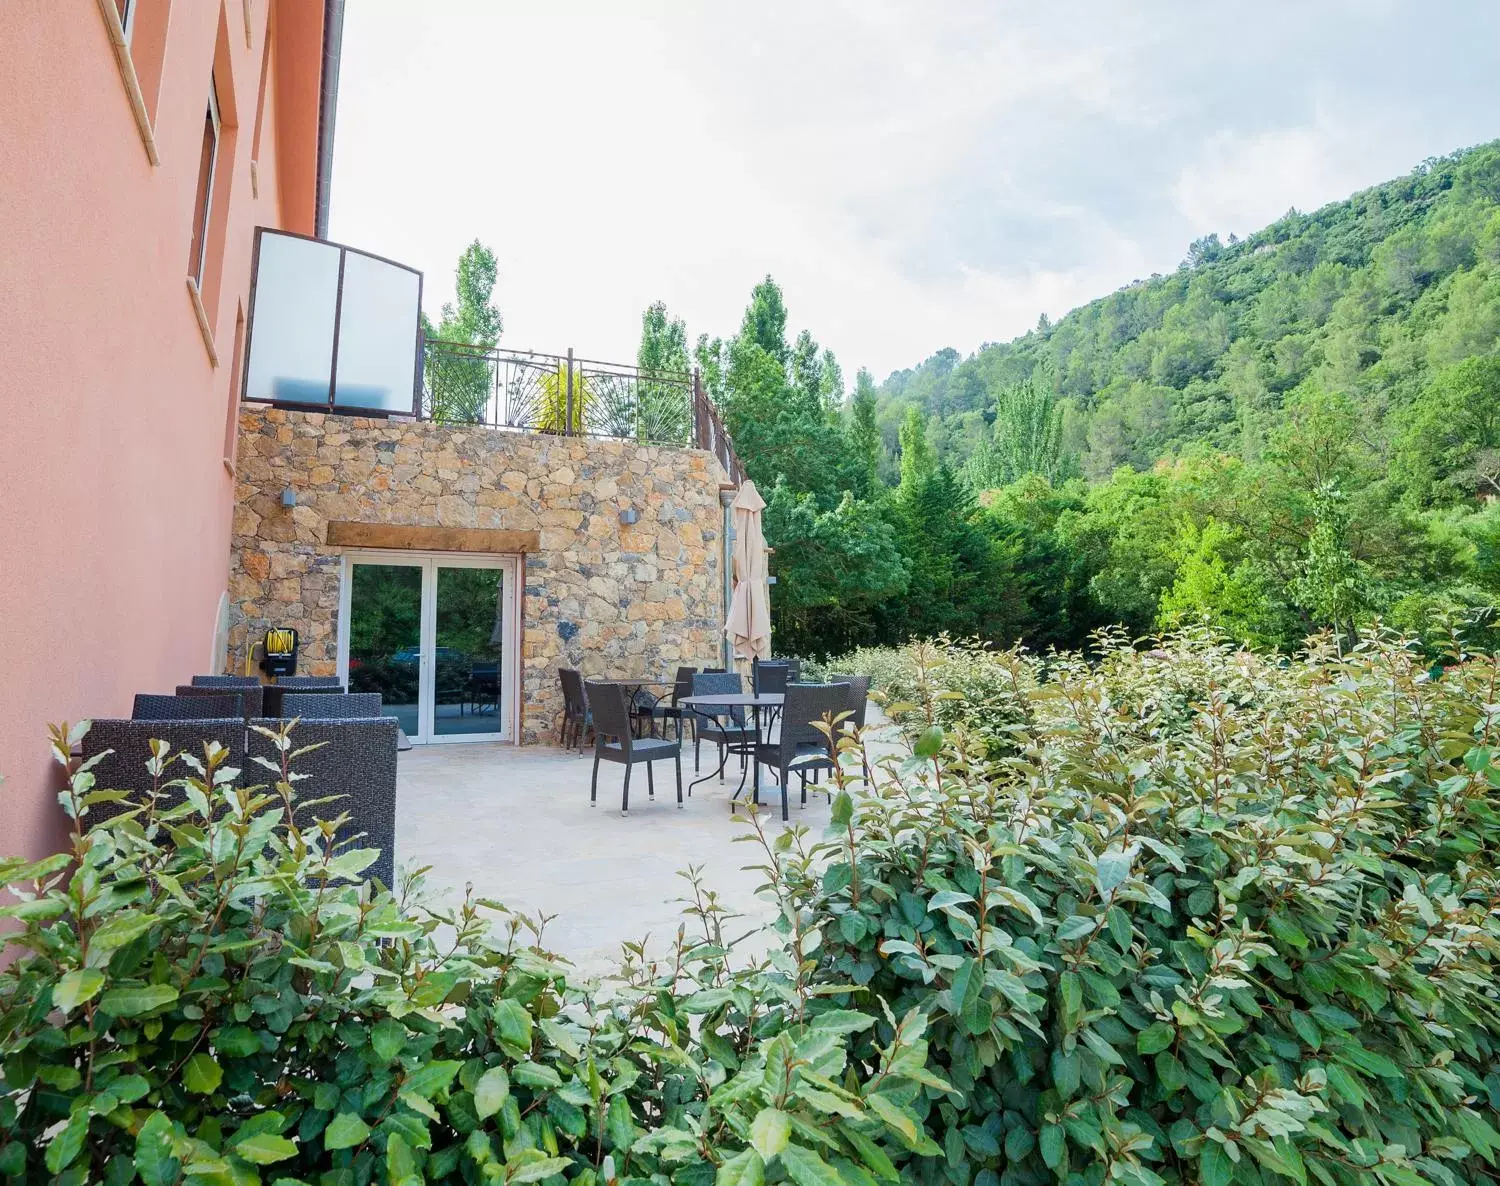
x,y
357,763
274,694
726,728
226,681
859,703
301,683
576,720
613,742
773,675
330,706
187,708
124,769
664,708
251,696
802,747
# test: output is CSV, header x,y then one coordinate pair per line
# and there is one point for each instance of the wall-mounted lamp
x,y
288,497
630,516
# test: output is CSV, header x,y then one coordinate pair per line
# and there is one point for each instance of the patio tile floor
x,y
518,825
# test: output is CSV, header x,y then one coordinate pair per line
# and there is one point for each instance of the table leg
x,y
723,761
749,764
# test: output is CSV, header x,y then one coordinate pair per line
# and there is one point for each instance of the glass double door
x,y
436,636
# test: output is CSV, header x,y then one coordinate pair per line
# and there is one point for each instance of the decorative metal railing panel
x,y
558,393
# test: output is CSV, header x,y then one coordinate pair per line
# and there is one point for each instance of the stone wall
x,y
600,595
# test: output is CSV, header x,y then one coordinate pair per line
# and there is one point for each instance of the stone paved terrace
x,y
516,822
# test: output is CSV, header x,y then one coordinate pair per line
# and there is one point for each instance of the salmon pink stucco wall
x,y
115,419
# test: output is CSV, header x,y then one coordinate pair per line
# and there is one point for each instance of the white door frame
x,y
429,562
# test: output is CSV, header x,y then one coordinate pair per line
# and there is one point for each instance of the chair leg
x,y
677,761
802,779
755,782
786,782
625,794
650,782
594,786
697,744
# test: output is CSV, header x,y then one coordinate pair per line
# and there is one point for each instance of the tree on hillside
x,y
864,436
917,457
460,387
663,409
764,324
1450,438
1028,428
663,341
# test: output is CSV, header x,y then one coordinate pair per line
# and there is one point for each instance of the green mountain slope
x,y
1368,297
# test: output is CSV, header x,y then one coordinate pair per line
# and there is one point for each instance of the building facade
x,y
141,142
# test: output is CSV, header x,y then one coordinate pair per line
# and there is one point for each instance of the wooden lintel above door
x,y
431,539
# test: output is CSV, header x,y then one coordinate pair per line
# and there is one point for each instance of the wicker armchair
x,y
612,720
252,698
226,681
726,728
859,703
124,769
300,683
802,746
275,694
195,707
357,763
330,706
576,719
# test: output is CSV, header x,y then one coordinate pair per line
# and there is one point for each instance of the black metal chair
x,y
129,745
187,708
576,719
664,708
859,703
251,695
317,706
301,683
612,720
802,747
726,728
357,762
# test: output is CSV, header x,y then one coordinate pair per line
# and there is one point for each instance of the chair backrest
x,y
251,695
611,712
226,681
720,683
859,696
272,695
793,670
770,675
682,683
124,768
804,709
356,762
301,683
187,708
575,699
321,706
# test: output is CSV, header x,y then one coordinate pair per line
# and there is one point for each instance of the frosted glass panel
x,y
377,335
291,329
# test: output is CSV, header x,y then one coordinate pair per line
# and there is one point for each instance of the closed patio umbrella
x,y
749,625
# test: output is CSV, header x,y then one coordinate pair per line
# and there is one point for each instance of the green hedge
x,y
1210,918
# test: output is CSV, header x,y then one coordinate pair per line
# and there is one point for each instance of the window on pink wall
x,y
126,9
145,24
208,161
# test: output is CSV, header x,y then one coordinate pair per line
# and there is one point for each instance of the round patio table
x,y
754,702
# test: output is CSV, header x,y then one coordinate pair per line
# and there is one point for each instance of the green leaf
x,y
806,1168
136,1000
345,1131
202,1074
872,1155
491,1092
535,1074
1053,1143
842,811
387,1038
263,1148
1214,1166
431,1078
513,1023
619,1124
930,743
843,1021
68,1143
74,988
1155,1037
13,1159
535,1171
154,1159
400,1162
745,1168
1110,870
895,1117
769,1132
237,1041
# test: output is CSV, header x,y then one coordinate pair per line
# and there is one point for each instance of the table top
x,y
736,700
629,682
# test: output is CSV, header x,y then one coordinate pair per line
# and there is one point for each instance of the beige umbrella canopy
x,y
749,625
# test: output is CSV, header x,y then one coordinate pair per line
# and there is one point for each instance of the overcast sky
x,y
915,174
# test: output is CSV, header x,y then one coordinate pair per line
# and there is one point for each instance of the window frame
x,y
205,187
127,18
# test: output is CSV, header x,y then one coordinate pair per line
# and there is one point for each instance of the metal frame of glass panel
x,y
331,402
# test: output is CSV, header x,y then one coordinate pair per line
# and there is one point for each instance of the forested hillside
x,y
1296,431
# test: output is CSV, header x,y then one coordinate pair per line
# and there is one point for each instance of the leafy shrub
x,y
1219,918
206,993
